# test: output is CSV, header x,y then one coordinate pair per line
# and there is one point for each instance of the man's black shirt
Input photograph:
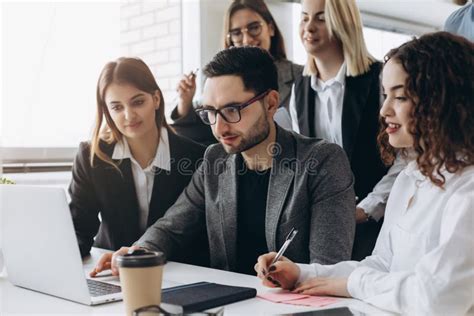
x,y
251,208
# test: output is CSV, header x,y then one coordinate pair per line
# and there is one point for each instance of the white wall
x,y
283,14
151,30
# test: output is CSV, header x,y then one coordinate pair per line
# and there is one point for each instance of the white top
x,y
423,261
329,99
144,178
375,202
283,118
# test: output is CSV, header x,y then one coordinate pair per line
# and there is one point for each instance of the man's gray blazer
x,y
310,189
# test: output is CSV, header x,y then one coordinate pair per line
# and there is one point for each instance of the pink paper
x,y
298,299
315,301
281,297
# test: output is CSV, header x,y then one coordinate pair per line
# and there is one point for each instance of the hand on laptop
x,y
107,261
284,273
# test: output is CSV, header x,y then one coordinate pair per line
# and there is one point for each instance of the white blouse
x,y
329,98
423,261
144,178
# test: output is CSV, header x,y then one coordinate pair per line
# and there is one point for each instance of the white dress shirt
x,y
144,178
329,98
423,261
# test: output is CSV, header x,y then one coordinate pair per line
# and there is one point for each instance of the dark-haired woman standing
x,y
423,262
246,23
135,167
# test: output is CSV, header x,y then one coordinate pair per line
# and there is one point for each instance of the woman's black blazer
x,y
360,124
103,190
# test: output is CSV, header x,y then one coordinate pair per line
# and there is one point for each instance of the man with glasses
x,y
259,182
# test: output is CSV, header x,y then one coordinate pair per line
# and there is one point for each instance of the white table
x,y
15,300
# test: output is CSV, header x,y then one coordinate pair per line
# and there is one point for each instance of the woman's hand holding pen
x,y
284,273
186,89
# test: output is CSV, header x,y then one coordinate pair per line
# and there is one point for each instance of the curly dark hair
x,y
440,83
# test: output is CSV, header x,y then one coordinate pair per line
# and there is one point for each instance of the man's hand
x,y
107,261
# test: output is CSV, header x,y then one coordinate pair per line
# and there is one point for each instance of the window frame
x,y
37,159
395,25
18,159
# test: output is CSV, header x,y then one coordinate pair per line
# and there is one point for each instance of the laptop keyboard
x,y
97,288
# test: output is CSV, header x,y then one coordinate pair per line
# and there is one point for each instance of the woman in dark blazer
x,y
246,23
338,99
135,166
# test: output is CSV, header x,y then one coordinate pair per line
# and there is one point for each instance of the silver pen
x,y
287,242
192,74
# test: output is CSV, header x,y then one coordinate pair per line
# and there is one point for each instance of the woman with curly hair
x,y
423,262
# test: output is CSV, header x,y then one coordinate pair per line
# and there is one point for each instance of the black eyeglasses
x,y
230,113
158,311
253,29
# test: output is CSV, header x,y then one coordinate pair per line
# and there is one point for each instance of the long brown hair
x,y
440,83
124,70
277,44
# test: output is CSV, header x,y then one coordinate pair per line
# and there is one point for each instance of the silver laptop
x,y
40,246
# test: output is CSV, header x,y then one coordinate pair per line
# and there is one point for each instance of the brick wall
x,y
151,30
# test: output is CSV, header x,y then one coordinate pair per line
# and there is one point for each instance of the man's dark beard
x,y
261,131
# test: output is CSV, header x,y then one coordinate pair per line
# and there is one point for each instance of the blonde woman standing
x,y
338,99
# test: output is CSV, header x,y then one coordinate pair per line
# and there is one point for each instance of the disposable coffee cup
x,y
141,274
